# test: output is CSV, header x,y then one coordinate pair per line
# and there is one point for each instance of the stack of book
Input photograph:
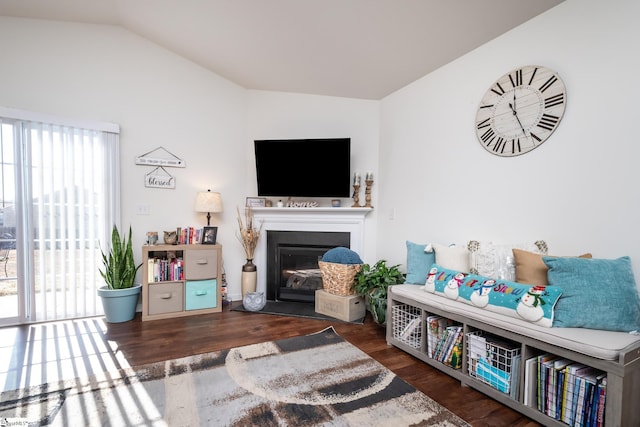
x,y
567,391
189,235
162,269
444,341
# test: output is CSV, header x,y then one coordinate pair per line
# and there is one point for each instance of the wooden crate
x,y
347,308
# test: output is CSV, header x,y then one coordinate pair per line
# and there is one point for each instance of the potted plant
x,y
119,295
372,283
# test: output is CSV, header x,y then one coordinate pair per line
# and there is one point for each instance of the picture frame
x,y
256,202
209,235
152,237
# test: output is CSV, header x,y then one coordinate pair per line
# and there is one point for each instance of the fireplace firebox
x,y
292,262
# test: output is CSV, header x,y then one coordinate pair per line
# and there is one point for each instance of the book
x,y
432,334
545,375
580,386
441,340
446,344
493,376
455,361
602,390
477,346
559,393
585,380
582,376
588,401
150,270
543,360
554,389
454,331
530,381
592,397
410,328
568,397
442,323
515,376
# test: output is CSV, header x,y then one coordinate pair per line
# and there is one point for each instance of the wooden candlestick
x,y
356,196
367,193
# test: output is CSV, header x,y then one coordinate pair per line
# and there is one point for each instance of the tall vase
x,y
249,277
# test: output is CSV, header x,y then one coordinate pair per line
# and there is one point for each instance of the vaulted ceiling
x,y
351,48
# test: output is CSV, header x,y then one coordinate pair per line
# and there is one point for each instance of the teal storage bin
x,y
201,294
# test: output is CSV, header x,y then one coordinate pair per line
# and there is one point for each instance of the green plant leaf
x,y
119,264
373,283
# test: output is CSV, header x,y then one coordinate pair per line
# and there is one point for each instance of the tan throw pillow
x,y
531,269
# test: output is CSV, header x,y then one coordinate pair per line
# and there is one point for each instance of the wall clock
x,y
520,111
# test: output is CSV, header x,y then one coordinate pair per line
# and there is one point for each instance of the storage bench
x,y
616,354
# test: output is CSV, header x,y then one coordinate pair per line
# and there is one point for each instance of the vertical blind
x,y
67,192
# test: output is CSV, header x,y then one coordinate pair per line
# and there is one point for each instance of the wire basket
x,y
337,279
493,361
407,324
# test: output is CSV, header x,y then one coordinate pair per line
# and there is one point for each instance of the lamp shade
x,y
208,201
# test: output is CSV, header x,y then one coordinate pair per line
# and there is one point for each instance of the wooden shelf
x,y
199,286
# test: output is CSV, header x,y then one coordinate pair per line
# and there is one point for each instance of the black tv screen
x,y
303,167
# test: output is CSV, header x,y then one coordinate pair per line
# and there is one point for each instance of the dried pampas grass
x,y
249,235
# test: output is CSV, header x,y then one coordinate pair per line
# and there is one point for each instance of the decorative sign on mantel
x,y
160,157
159,178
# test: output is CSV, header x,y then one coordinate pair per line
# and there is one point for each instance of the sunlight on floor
x,y
50,352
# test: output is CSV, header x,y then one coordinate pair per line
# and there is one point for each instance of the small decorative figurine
x,y
170,237
254,301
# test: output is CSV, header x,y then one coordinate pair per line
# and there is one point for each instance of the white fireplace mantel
x,y
349,220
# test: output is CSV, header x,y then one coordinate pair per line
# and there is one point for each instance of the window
x,y
59,193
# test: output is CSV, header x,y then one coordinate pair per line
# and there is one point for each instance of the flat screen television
x,y
303,167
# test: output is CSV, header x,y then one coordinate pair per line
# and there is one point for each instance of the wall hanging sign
x,y
160,157
159,178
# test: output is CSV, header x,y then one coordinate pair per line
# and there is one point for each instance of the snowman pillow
x,y
531,303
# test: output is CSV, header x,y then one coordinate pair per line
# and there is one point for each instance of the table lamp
x,y
209,202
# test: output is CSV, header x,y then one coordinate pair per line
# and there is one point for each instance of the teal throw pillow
x,y
341,255
597,293
527,302
418,263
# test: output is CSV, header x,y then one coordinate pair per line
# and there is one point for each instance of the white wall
x,y
288,115
578,191
108,74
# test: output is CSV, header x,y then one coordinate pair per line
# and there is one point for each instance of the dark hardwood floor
x,y
39,353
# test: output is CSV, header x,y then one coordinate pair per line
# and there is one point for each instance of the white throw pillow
x,y
496,261
452,257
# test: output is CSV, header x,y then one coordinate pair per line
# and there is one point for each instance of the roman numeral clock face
x,y
520,111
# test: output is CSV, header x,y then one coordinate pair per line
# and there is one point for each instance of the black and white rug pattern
x,y
313,380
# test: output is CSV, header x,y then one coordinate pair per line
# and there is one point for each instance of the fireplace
x,y
350,221
292,262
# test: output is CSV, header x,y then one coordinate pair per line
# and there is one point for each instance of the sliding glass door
x,y
10,299
59,194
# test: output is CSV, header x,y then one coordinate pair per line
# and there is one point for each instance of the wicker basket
x,y
338,278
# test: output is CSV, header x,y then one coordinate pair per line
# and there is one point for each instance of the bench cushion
x,y
600,344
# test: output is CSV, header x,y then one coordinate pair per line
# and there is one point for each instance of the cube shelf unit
x,y
181,280
507,353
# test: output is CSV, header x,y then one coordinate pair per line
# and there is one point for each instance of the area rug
x,y
294,309
313,380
